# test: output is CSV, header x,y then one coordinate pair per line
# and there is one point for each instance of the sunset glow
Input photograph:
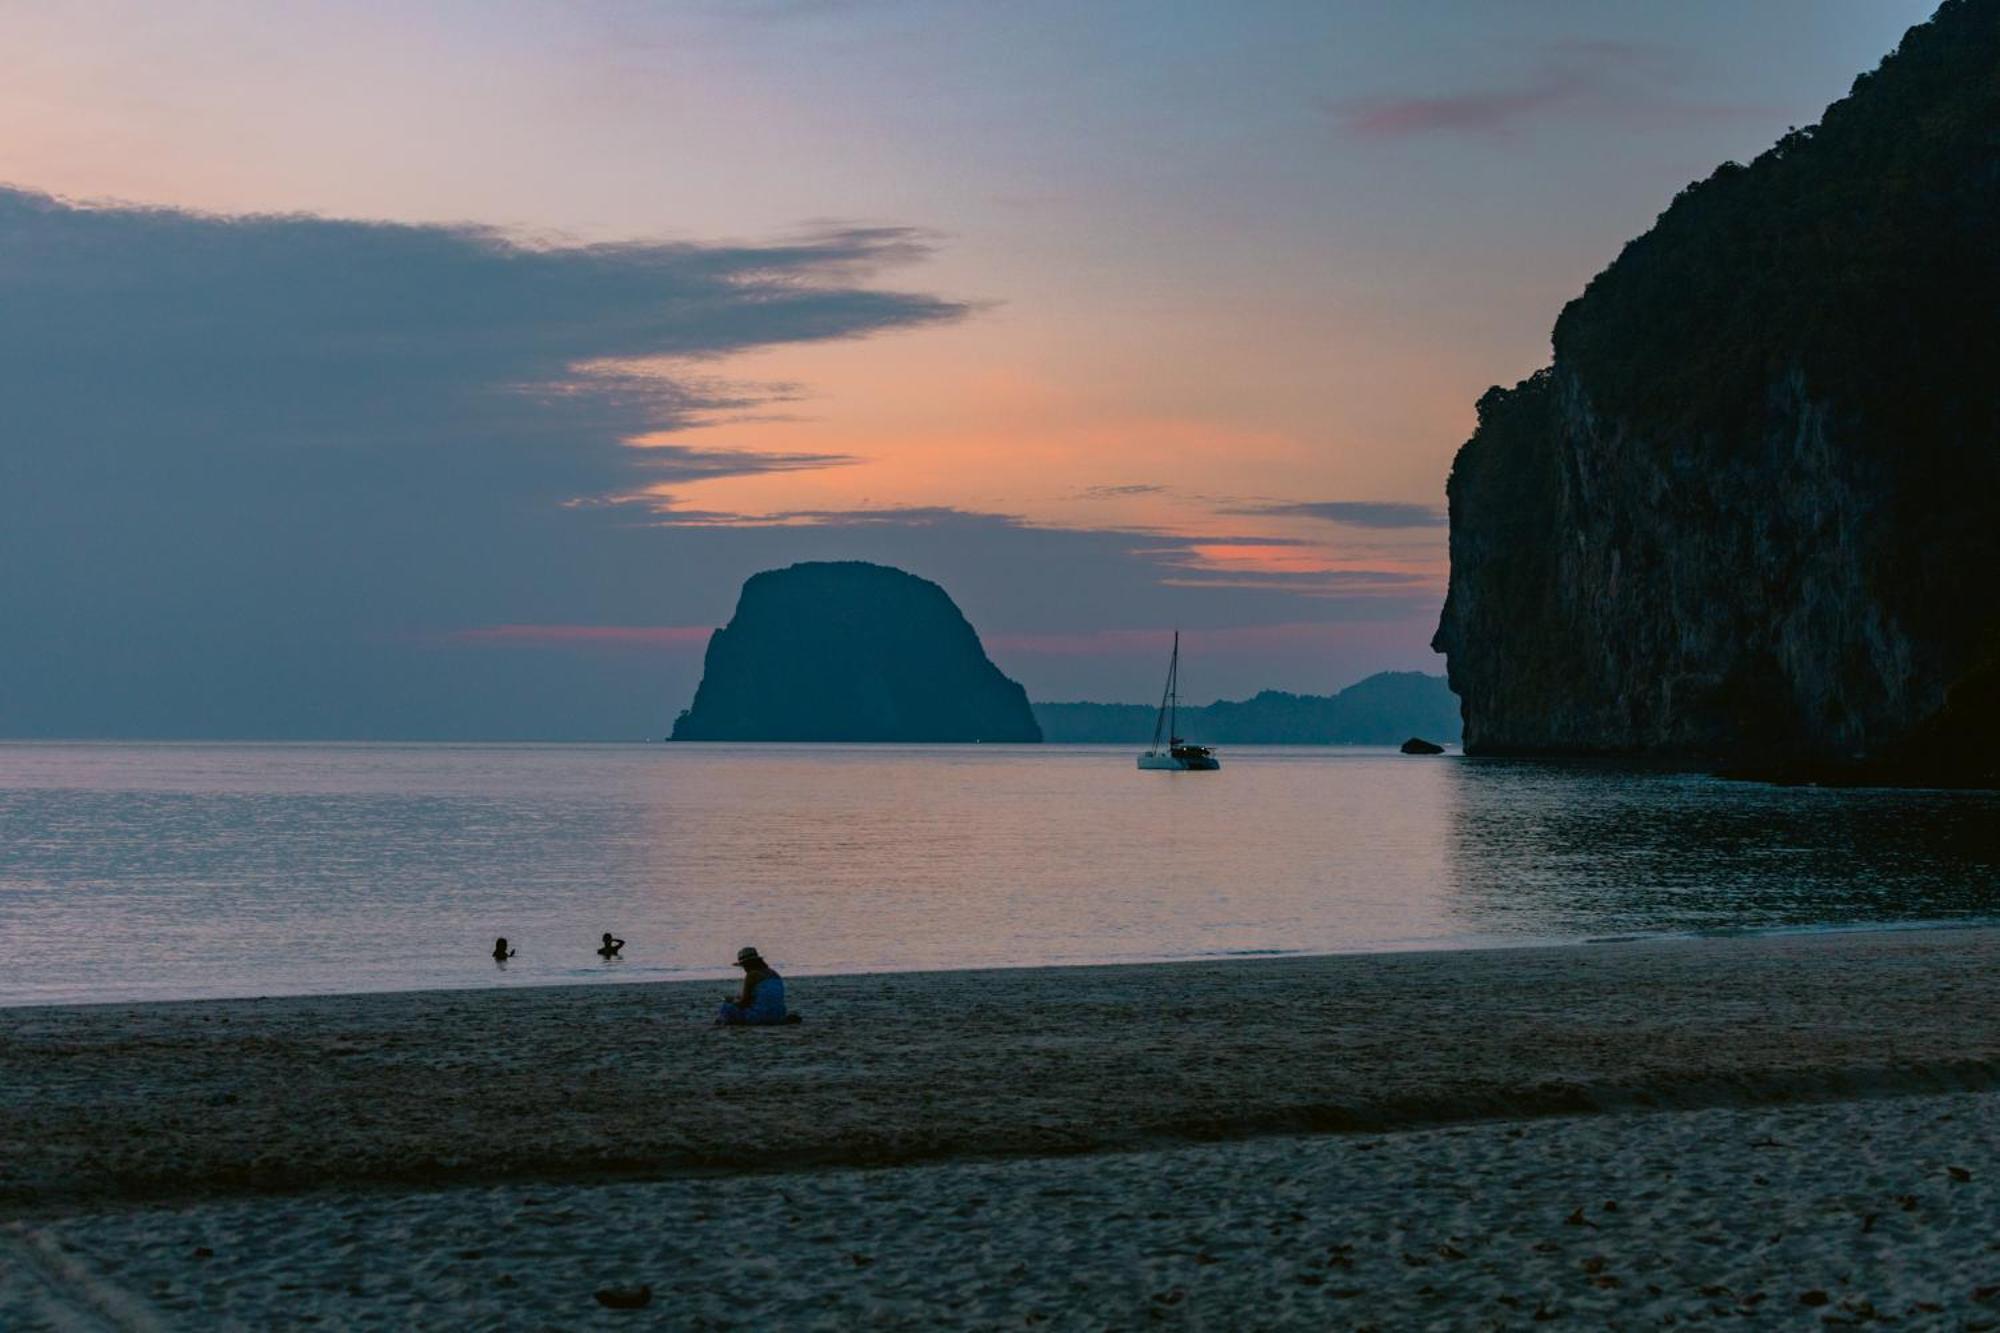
x,y
1182,331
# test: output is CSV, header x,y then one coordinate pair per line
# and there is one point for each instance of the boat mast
x,y
1174,694
1166,694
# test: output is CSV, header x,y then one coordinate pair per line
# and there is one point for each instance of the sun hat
x,y
746,954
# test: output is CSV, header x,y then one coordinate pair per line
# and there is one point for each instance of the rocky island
x,y
849,651
1751,512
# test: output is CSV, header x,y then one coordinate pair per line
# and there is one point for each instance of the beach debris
x,y
625,1298
1814,1297
1958,1173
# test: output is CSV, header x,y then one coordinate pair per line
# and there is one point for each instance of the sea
x,y
167,871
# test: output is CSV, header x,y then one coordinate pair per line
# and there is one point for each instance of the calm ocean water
x,y
167,870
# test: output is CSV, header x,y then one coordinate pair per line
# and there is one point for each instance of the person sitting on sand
x,y
762,1002
501,953
612,944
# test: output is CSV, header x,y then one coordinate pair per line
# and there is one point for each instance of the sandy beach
x,y
1616,1134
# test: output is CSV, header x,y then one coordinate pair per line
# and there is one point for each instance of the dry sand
x,y
1801,1217
489,1158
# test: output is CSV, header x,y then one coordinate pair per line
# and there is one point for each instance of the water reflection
x,y
248,870
1591,849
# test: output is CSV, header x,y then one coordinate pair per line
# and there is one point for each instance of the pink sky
x,y
1222,264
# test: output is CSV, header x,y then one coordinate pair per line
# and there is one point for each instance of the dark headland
x,y
850,651
1751,512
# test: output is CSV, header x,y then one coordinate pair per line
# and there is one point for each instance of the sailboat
x,y
1179,756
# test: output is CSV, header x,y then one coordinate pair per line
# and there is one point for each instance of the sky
x,y
389,371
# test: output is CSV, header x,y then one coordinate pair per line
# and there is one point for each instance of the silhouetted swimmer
x,y
612,944
501,953
762,1003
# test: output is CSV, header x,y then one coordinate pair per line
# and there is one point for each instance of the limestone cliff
x,y
1753,508
849,651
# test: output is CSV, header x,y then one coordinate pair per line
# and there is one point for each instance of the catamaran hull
x,y
1167,763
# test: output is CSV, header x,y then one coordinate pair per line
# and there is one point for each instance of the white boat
x,y
1178,756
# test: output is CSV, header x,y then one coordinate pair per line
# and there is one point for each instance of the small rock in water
x,y
625,1298
1418,745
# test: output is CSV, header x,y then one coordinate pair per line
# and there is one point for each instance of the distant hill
x,y
1385,709
848,651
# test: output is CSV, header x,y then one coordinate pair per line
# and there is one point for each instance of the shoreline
x,y
114,1104
727,976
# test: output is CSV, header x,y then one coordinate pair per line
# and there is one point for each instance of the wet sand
x,y
1054,1138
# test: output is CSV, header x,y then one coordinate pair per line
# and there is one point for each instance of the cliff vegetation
x,y
1752,509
